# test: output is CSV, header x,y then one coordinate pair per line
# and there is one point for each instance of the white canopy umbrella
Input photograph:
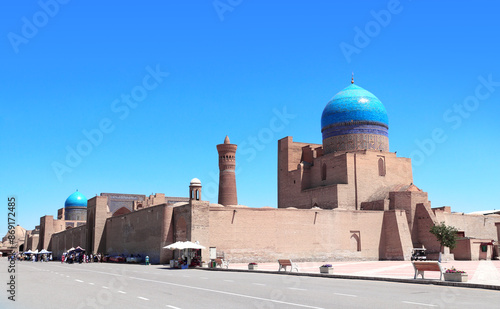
x,y
44,252
180,245
71,249
35,252
184,245
28,252
192,245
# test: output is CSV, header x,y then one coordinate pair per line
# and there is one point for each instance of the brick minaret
x,y
227,179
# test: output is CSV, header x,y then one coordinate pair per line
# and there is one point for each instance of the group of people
x,y
80,257
31,257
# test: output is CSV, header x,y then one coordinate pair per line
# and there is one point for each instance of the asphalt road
x,y
94,285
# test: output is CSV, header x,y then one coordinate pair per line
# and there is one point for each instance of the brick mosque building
x,y
348,198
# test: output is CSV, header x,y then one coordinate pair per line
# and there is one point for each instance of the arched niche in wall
x,y
121,211
355,241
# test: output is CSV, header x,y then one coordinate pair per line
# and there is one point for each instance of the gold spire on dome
x,y
352,78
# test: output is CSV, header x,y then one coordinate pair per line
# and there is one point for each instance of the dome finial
x,y
226,140
352,78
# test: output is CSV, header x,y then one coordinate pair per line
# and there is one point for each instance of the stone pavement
x,y
480,272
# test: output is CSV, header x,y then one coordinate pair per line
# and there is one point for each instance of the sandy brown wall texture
x,y
142,232
477,226
70,238
253,235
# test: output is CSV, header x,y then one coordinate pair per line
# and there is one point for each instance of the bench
x,y
423,266
285,263
221,263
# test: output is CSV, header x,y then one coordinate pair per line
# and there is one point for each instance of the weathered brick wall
x,y
407,201
200,229
425,219
143,232
182,223
32,242
476,226
370,185
336,170
63,241
342,180
46,231
289,155
396,239
253,235
97,213
375,205
463,250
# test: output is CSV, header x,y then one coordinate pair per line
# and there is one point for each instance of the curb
x,y
351,277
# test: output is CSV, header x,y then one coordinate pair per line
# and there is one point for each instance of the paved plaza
x,y
480,272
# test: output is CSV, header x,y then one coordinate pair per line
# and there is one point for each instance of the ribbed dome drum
x,y
354,119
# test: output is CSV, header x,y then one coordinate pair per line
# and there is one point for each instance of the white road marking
x,y
203,278
122,292
228,293
207,290
298,289
259,284
350,295
143,298
419,304
105,287
173,307
229,280
78,280
67,276
91,283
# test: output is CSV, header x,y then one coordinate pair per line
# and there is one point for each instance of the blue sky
x,y
142,93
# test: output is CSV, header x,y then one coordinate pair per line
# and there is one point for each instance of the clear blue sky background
x,y
229,70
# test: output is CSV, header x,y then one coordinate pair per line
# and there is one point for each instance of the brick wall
x,y
253,235
63,241
143,232
396,239
476,226
336,180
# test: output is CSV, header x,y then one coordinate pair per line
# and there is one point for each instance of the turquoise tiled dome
x,y
354,104
76,200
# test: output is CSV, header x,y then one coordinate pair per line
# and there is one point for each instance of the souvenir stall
x,y
186,254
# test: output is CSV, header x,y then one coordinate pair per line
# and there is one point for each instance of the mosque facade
x,y
348,198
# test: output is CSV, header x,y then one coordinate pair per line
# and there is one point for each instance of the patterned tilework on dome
x,y
355,129
352,104
354,119
76,200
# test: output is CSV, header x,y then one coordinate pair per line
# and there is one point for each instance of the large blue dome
x,y
76,200
354,104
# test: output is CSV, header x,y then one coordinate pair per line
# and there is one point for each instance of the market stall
x,y
188,254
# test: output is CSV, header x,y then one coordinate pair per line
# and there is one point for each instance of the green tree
x,y
445,234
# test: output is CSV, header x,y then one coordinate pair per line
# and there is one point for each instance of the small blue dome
x,y
76,200
354,104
